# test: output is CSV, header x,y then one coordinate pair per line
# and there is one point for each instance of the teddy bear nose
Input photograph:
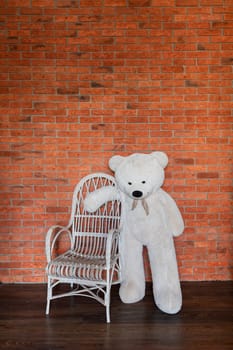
x,y
137,194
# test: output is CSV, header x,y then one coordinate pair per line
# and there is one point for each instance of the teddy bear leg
x,y
133,285
166,284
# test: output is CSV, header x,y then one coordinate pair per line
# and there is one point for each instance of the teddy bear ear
x,y
161,157
114,162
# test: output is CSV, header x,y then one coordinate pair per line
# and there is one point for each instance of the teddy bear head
x,y
138,175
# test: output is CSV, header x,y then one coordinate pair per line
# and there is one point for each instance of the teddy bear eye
x,y
129,183
143,182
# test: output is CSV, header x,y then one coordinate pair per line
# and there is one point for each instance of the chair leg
x,y
108,313
47,307
49,294
107,302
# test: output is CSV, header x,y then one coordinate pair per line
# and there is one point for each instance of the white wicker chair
x,y
91,264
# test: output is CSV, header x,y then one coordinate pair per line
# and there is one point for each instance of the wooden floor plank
x,y
205,322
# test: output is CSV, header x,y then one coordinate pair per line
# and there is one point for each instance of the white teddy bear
x,y
150,217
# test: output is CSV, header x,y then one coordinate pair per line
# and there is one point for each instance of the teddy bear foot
x,y
131,293
170,304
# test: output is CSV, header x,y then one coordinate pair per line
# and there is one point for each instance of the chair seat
x,y
72,265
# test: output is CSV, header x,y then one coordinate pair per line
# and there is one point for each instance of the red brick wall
x,y
83,80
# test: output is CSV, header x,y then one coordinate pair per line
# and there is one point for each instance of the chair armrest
x,y
51,237
112,246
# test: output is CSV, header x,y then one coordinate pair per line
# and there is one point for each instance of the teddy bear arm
x,y
97,198
176,222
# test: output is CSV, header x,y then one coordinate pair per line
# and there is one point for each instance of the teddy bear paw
x,y
89,205
170,303
131,293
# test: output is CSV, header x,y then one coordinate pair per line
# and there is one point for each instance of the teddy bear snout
x,y
137,194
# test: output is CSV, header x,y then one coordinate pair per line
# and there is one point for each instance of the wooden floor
x,y
205,322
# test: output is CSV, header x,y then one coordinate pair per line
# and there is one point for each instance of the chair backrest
x,y
104,219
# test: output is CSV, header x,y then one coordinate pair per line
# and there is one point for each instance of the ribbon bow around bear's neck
x,y
144,204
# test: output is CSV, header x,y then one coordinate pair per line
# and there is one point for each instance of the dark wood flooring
x,y
205,322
